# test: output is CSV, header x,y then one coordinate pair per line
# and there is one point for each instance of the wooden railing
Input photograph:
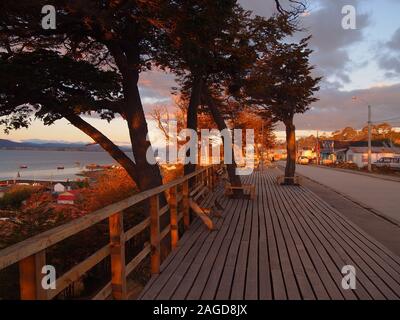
x,y
30,254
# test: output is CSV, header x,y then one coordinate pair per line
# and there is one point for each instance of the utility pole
x,y
369,132
369,139
318,151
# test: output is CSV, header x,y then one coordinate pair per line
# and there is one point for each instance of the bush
x,y
14,198
347,165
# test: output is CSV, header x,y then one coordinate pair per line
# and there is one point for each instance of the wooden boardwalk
x,y
286,244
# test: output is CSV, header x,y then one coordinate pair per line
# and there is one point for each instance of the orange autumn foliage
x,y
113,186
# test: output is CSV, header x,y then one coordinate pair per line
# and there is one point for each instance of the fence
x,y
30,254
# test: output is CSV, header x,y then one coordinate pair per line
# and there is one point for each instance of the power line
x,y
386,120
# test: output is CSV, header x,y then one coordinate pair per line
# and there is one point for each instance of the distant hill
x,y
51,146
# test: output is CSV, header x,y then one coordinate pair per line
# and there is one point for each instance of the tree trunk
x,y
291,152
231,168
191,117
148,175
115,152
127,58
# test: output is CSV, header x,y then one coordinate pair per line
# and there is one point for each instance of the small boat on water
x,y
92,166
23,166
60,168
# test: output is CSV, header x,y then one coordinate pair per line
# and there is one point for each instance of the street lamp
x,y
369,132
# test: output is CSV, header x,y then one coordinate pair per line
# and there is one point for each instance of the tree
x,y
114,35
162,117
246,37
309,142
50,87
347,133
261,124
211,60
282,83
210,46
189,50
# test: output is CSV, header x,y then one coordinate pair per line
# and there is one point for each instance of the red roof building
x,y
68,197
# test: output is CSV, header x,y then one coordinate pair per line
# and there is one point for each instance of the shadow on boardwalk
x,y
286,244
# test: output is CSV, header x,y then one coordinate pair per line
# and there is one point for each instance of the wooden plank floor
x,y
286,244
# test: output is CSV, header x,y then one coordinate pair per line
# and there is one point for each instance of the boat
x,y
92,166
60,168
23,166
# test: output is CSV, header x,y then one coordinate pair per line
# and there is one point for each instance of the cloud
x,y
329,40
394,43
388,56
332,57
155,88
332,45
336,109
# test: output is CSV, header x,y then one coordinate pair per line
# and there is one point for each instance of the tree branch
x,y
115,152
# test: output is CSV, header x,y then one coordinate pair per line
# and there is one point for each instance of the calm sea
x,y
42,165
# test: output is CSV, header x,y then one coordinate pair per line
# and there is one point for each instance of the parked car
x,y
391,162
303,160
327,162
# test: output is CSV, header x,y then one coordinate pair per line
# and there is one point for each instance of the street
x,y
380,195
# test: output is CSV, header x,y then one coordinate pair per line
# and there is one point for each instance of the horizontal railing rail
x,y
30,254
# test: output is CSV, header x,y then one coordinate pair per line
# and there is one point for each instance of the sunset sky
x,y
364,62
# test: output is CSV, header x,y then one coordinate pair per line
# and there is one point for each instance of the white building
x,y
59,188
359,155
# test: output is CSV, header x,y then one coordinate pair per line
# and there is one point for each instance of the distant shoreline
x,y
53,146
52,149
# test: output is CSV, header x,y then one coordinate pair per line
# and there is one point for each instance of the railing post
x,y
185,204
30,277
155,234
173,207
117,252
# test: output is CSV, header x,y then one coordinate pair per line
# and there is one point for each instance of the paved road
x,y
380,195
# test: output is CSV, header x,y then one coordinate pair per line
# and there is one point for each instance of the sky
x,y
364,62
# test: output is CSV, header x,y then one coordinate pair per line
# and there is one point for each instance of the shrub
x,y
111,186
14,198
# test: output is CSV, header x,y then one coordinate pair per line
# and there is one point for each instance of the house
x,y
355,151
68,197
331,151
340,155
59,188
359,155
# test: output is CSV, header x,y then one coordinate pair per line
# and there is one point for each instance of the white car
x,y
303,160
393,163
